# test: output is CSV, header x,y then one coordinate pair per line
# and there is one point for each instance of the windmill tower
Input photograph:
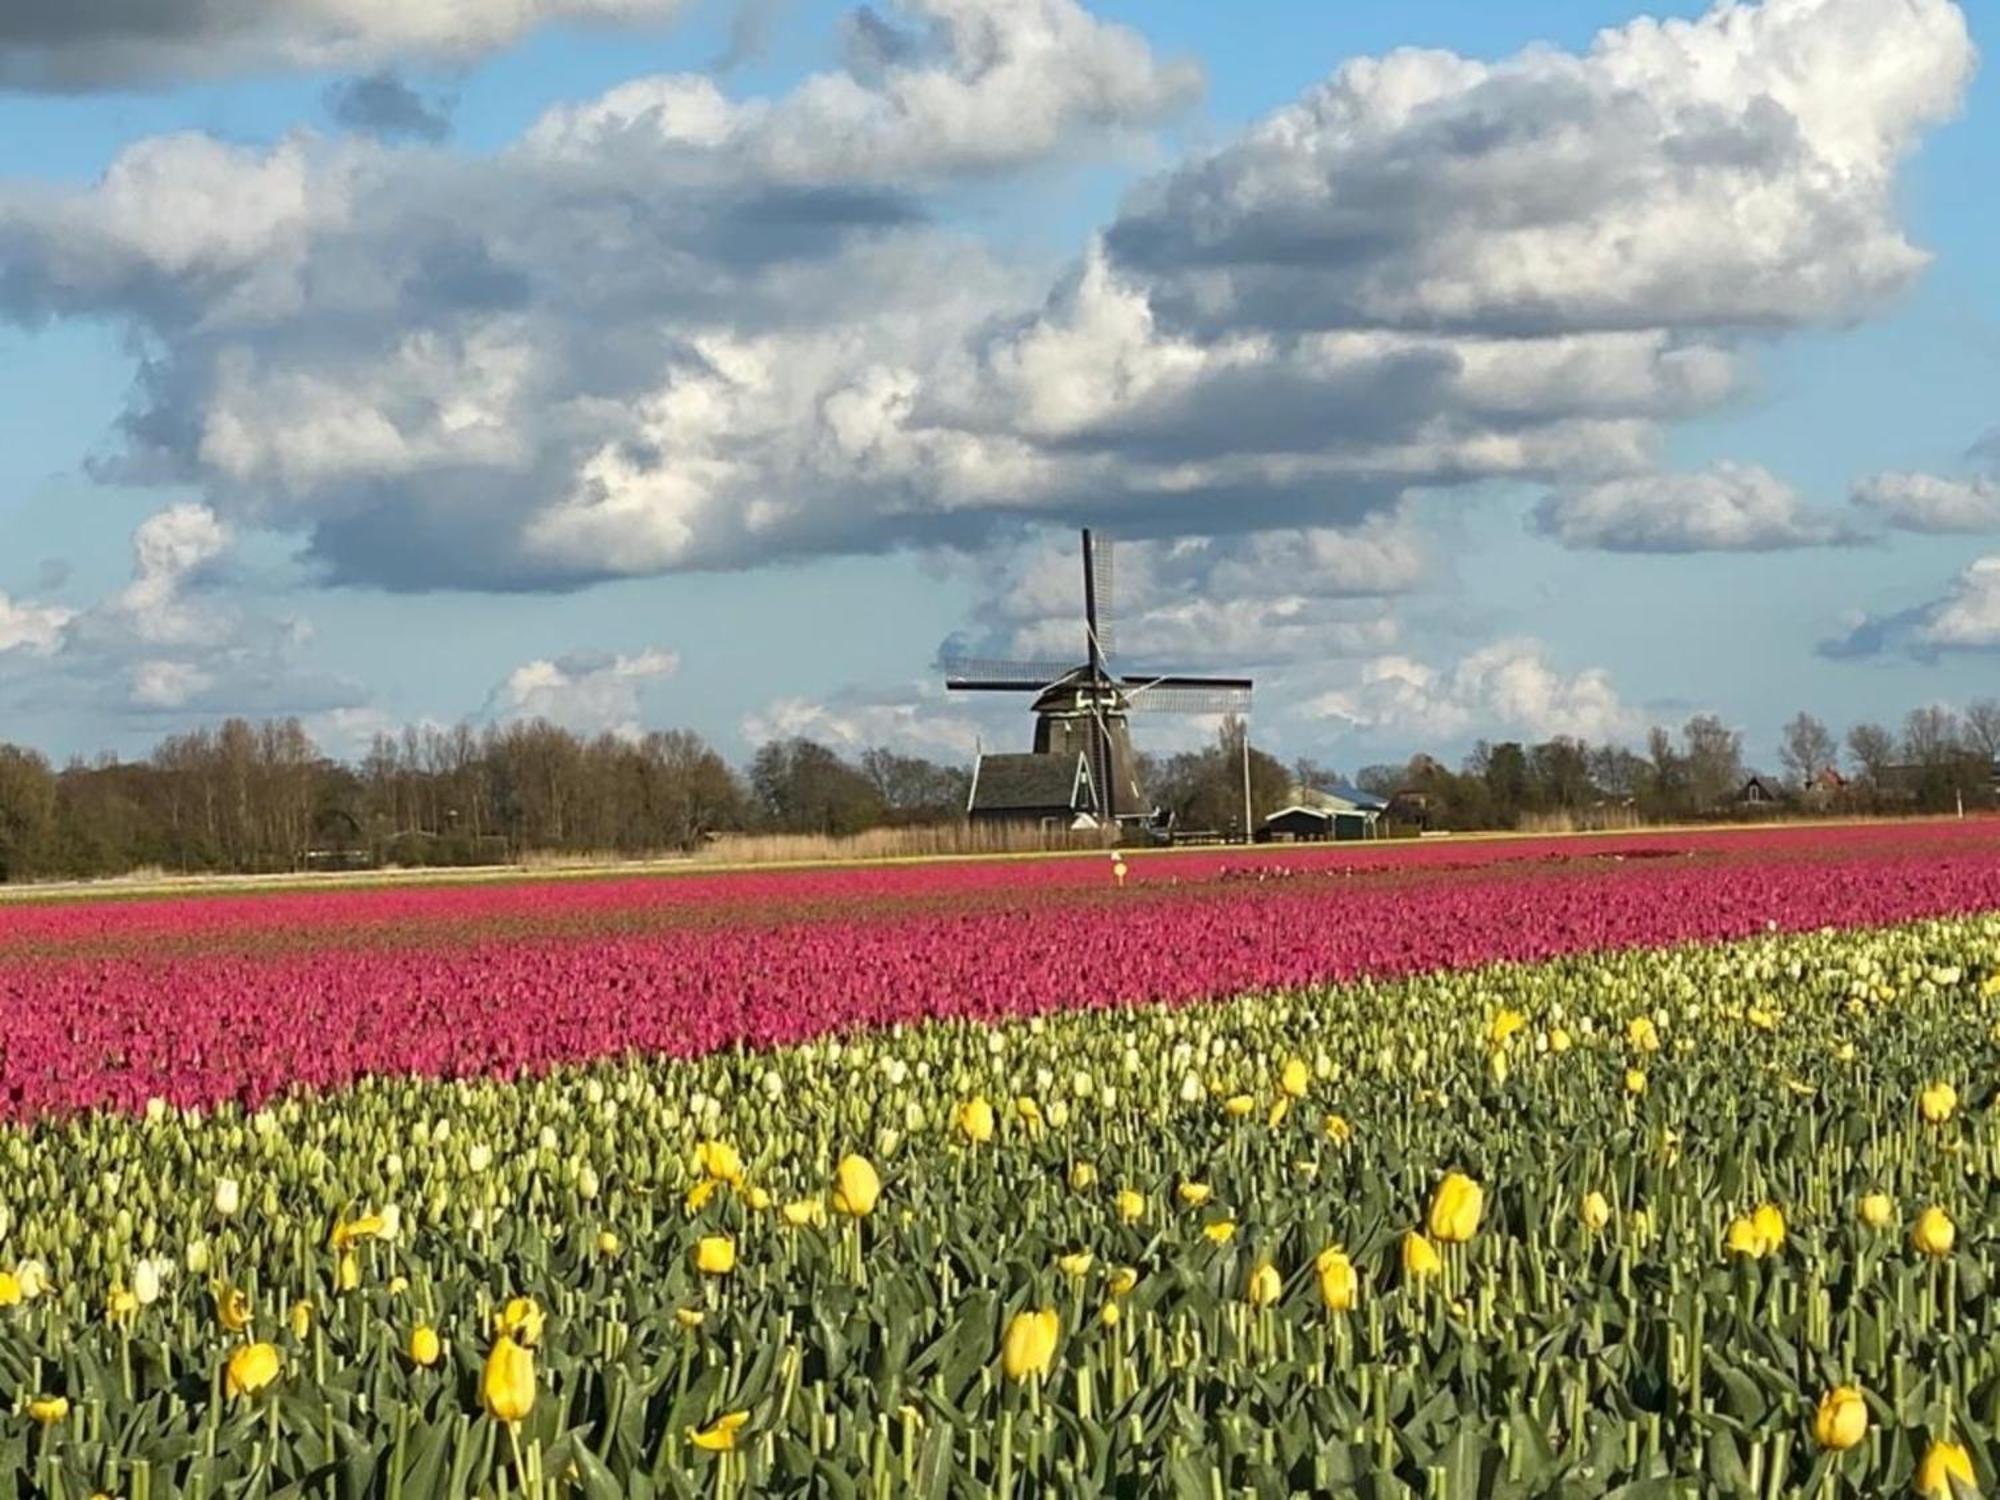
x,y
1083,766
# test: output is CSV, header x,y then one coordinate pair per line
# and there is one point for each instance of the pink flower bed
x,y
775,960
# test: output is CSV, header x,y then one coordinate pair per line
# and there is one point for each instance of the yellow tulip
x,y
232,1309
1123,1279
1635,1081
1029,1345
1294,1078
1504,1025
120,1306
301,1319
1878,1210
424,1346
1108,1315
353,1231
1221,1231
1030,1113
715,1255
1264,1286
689,1317
49,1410
1934,1233
1770,1222
855,1187
1420,1257
347,1275
521,1320
251,1368
10,1289
1743,1239
1642,1034
803,1211
1337,1129
1236,1106
1077,1263
1559,1040
1455,1209
1339,1285
1131,1205
719,1161
1595,1211
1278,1113
1946,1473
1194,1194
701,1192
1937,1102
757,1198
975,1120
507,1385
608,1244
1081,1176
1841,1420
720,1435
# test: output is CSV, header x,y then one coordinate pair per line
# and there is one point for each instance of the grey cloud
x,y
84,44
1934,503
382,104
749,33
1727,507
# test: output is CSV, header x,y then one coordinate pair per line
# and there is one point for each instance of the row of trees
x,y
251,797
1939,761
262,797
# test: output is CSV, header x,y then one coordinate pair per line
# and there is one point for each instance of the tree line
x,y
1939,761
262,797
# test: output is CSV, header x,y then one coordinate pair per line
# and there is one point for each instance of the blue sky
x,y
591,461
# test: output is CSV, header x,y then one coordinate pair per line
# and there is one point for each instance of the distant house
x,y
1827,788
1055,791
1760,792
1318,814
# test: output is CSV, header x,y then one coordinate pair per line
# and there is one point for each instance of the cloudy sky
x,y
1456,369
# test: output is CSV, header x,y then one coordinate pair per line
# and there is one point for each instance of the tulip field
x,y
1656,1165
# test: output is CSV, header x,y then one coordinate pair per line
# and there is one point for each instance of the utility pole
x,y
1249,833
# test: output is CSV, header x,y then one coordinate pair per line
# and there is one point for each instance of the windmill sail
x,y
1081,712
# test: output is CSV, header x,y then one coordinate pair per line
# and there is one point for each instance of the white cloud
x,y
1966,617
1509,686
1198,602
1727,507
673,329
1734,170
1932,502
169,550
168,684
587,693
74,44
995,83
30,628
912,721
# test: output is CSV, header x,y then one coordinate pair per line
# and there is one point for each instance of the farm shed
x,y
1045,789
1314,814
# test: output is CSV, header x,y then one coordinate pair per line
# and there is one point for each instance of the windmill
x,y
1083,764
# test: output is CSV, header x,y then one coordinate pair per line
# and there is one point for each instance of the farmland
x,y
1630,1166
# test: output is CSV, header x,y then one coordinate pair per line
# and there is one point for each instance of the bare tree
x,y
1871,749
1714,754
1806,749
1931,735
1982,727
